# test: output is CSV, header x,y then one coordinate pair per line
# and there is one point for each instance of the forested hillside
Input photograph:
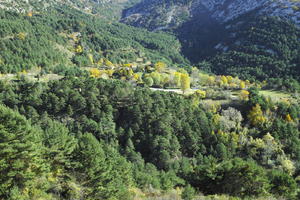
x,y
94,109
262,48
64,36
86,138
252,39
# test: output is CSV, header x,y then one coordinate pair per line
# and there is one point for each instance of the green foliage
x,y
100,138
47,39
188,193
21,160
235,177
89,138
262,48
100,170
59,142
282,184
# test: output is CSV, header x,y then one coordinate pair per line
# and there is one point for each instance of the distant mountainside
x,y
158,15
251,39
104,8
254,39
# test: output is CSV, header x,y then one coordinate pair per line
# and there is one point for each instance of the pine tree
x,y
59,142
20,155
101,172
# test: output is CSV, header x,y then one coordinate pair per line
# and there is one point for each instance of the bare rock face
x,y
157,14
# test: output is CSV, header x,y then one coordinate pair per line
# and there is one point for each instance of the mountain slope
x,y
252,39
63,36
156,15
104,8
260,48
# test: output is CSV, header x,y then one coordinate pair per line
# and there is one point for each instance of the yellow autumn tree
x,y
136,76
201,94
95,73
185,82
288,118
160,66
244,95
230,79
21,36
242,85
78,49
256,116
224,80
128,65
110,72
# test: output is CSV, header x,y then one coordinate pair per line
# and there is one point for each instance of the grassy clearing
x,y
217,102
175,194
277,96
30,76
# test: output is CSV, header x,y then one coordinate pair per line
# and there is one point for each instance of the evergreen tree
x,y
99,171
21,160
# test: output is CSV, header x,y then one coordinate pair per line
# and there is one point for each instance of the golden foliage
x,y
288,118
256,116
201,94
136,77
244,95
185,82
110,72
127,65
78,49
21,36
160,66
30,14
95,73
108,63
224,80
242,85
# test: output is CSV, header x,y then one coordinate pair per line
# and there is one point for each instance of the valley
x,y
149,100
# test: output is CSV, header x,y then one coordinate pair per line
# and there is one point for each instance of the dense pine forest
x,y
64,38
87,138
93,109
